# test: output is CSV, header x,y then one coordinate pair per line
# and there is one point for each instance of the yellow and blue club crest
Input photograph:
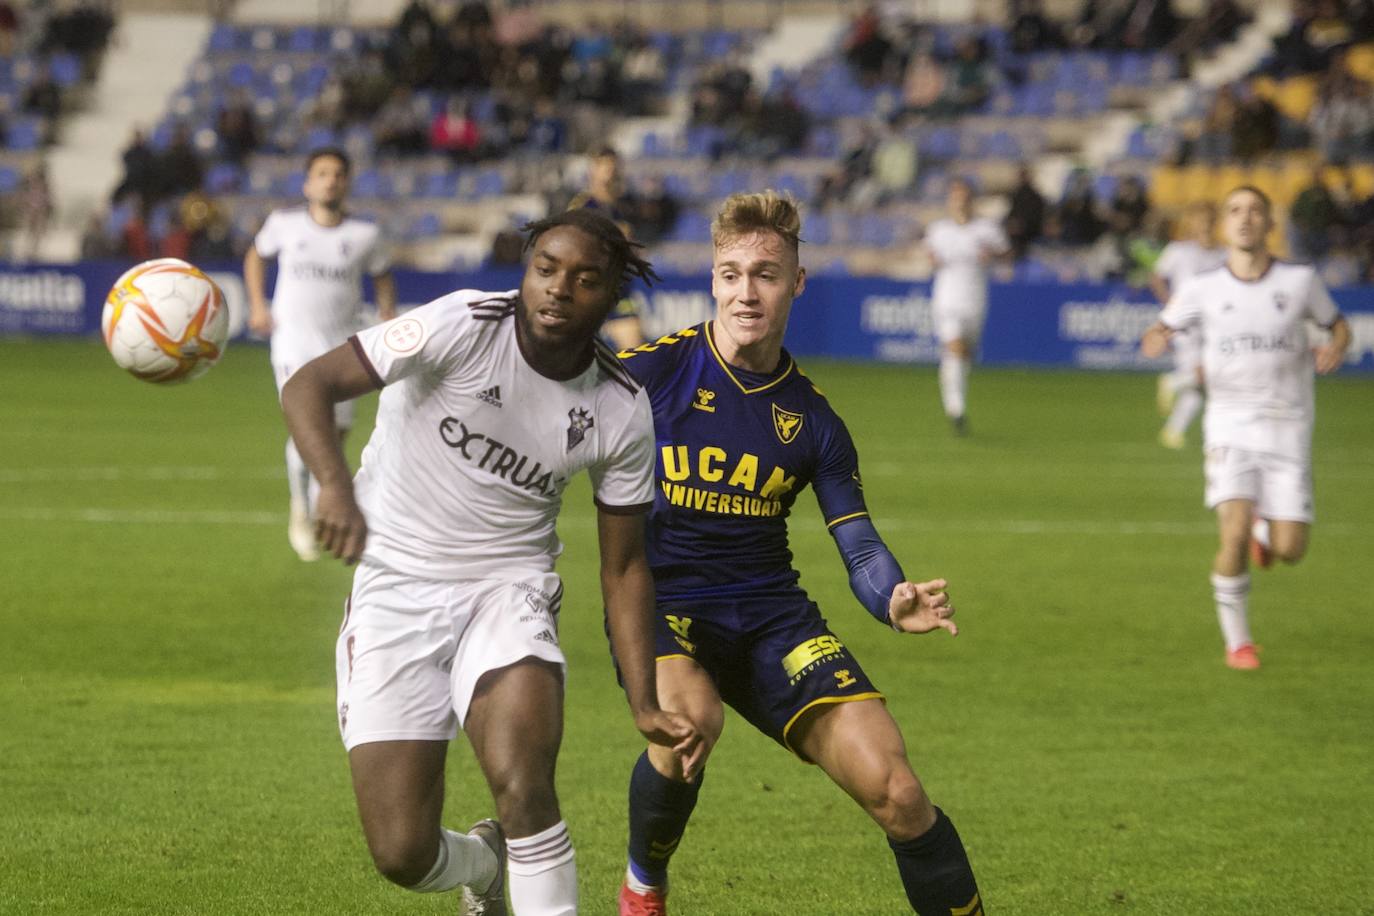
x,y
786,424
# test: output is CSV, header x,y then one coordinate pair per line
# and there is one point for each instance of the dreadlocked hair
x,y
763,211
625,261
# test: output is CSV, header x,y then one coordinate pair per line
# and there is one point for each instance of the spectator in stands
x,y
414,52
1025,219
1216,135
136,238
95,241
82,29
367,85
1031,31
653,212
9,29
400,127
1342,120
1076,221
237,127
1256,129
456,132
923,86
642,75
35,210
207,229
140,170
1220,20
1314,220
865,46
179,168
548,131
1128,207
329,109
43,97
970,79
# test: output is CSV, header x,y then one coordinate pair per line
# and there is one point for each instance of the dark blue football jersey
x,y
735,449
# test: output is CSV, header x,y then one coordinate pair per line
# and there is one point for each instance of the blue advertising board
x,y
1084,326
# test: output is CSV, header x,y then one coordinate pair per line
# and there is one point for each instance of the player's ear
x,y
801,282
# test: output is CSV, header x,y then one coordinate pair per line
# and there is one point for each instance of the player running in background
x,y
1180,391
962,247
322,254
740,433
1257,429
491,403
605,194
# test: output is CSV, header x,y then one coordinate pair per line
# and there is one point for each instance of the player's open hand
x,y
673,730
1329,358
919,607
339,524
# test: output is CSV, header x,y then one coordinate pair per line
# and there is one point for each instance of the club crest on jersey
x,y
786,424
579,421
1280,300
704,398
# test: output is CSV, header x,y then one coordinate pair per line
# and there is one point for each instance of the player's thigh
x,y
1230,475
1234,519
399,786
685,687
515,724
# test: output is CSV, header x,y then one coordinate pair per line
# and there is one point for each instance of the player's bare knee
x,y
402,858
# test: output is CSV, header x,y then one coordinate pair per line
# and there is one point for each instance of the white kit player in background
x,y
1179,393
322,254
491,403
962,247
1257,428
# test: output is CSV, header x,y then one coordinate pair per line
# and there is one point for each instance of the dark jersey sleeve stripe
x,y
366,361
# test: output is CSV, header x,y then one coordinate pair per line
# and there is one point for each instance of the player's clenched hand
x,y
1155,343
260,322
676,731
339,524
1329,358
919,607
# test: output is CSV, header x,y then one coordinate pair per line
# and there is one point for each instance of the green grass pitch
x,y
166,667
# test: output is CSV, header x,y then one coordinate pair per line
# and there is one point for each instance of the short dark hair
x,y
626,264
330,151
1251,189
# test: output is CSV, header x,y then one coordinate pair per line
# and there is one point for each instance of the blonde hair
x,y
763,211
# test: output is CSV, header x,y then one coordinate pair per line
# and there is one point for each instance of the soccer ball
x,y
165,321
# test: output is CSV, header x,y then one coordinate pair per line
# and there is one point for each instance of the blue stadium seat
x,y
488,183
424,226
9,179
305,39
25,133
65,69
372,183
1000,144
440,184
225,37
223,178
817,229
691,226
939,143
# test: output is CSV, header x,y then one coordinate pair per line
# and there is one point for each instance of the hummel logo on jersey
x,y
704,398
492,395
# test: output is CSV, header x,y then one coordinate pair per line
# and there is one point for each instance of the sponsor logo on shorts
x,y
680,626
844,679
546,636
810,655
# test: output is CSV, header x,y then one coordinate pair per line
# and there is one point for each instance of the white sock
x,y
638,886
462,859
1181,379
1260,532
1186,408
297,478
953,383
543,873
1231,593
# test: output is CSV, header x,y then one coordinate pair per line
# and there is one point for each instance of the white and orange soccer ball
x,y
165,321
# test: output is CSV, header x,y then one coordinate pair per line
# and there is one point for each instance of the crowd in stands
x,y
867,138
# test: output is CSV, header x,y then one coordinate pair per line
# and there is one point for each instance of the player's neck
x,y
762,357
1249,265
554,361
325,216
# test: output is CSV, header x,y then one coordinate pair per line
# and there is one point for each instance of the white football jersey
x,y
317,302
1256,355
465,470
1183,259
961,279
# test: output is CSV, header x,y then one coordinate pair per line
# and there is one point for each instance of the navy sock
x,y
659,810
935,872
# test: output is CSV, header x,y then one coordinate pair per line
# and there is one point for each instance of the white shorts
x,y
283,370
1280,488
958,322
1187,347
411,650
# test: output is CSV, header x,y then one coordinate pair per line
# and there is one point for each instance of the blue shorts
x,y
772,658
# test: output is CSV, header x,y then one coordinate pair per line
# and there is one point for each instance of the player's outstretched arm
x,y
307,400
1331,354
1155,341
627,587
255,283
919,607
